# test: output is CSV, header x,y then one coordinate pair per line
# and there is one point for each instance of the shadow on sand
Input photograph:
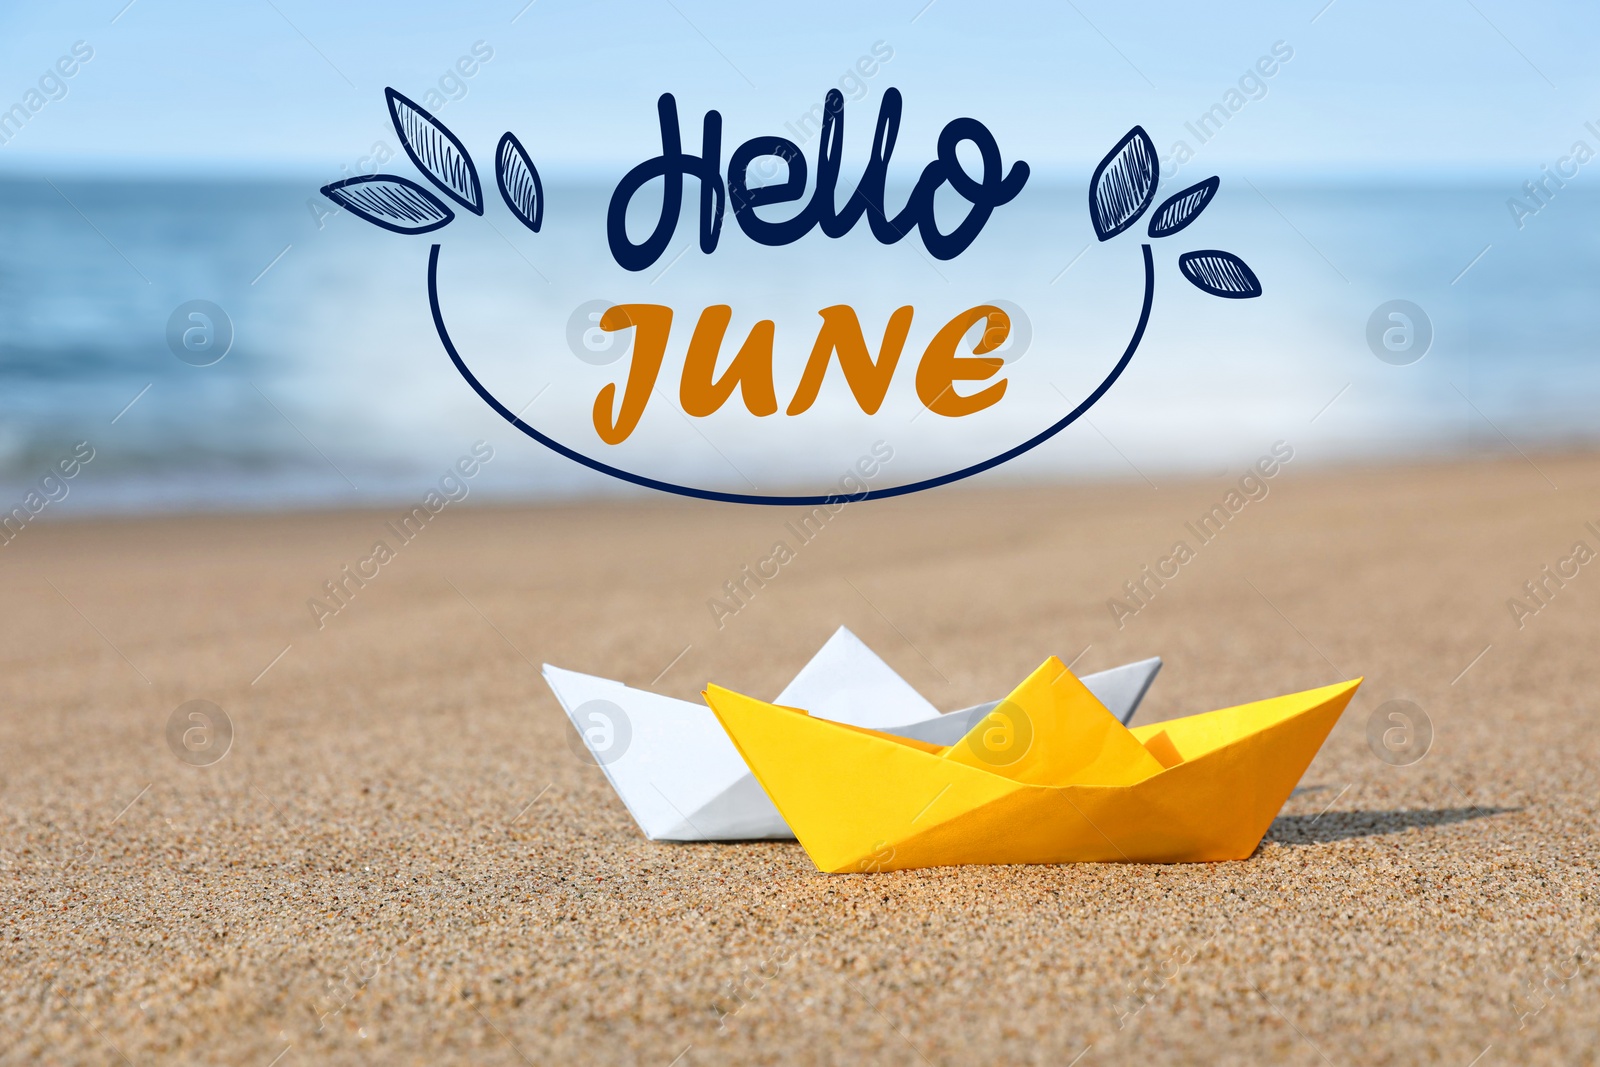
x,y
1343,825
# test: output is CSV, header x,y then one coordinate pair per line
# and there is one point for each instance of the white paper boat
x,y
680,776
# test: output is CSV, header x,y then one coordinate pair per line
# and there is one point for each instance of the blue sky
x,y
294,85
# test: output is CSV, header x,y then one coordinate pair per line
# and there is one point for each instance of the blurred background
x,y
1432,153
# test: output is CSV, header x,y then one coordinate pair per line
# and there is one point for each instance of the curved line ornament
x,y
784,500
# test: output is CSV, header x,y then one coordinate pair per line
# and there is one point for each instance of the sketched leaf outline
x,y
518,180
1123,184
397,204
436,151
1220,273
1182,208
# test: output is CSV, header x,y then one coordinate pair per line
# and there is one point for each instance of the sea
x,y
313,376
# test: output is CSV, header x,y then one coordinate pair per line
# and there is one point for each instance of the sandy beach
x,y
400,858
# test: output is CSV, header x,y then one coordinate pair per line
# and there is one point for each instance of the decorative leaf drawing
x,y
390,201
436,151
1123,184
1182,208
518,180
1220,274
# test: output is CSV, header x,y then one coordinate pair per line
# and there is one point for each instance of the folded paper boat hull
x,y
682,780
671,763
861,801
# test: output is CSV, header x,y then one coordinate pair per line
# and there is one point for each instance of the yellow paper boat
x,y
1049,776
